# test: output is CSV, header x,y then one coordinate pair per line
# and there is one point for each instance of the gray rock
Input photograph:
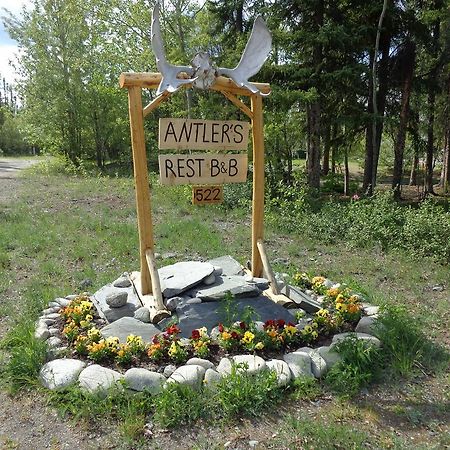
x,y
193,301
52,310
367,325
200,362
42,333
191,375
169,255
281,368
217,271
56,352
258,325
139,379
235,285
117,299
251,364
210,314
60,373
330,356
172,303
318,363
228,265
367,338
169,370
328,283
98,379
142,314
303,300
224,367
87,282
370,310
437,288
54,331
112,314
211,378
128,325
52,316
179,277
54,305
210,279
54,342
44,322
62,301
299,364
71,297
122,282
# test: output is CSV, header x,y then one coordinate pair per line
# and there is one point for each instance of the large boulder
x,y
60,373
97,379
139,379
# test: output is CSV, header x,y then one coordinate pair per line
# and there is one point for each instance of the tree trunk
x,y
414,169
326,150
408,66
346,173
368,162
334,149
430,143
445,173
314,146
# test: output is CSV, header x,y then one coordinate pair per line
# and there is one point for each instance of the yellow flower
x,y
341,307
94,334
352,308
318,281
291,330
259,346
340,298
308,329
272,333
322,312
354,299
112,342
333,292
315,325
248,337
173,350
226,336
89,318
203,331
314,334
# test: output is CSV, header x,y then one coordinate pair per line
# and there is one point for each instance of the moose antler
x,y
169,72
255,54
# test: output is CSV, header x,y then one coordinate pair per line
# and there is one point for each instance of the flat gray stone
x,y
302,300
369,339
261,283
200,362
62,301
251,364
179,277
112,314
172,303
52,310
371,310
191,375
44,322
228,265
53,316
60,373
54,331
122,282
128,325
98,379
234,284
54,342
54,305
299,364
117,299
169,370
142,314
281,368
210,314
138,379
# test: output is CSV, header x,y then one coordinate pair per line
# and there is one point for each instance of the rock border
x,y
60,373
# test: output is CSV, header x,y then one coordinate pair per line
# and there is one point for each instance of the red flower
x,y
234,335
269,323
290,324
172,330
281,323
155,339
221,328
243,325
195,334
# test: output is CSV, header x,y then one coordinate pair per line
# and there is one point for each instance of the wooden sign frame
x,y
135,82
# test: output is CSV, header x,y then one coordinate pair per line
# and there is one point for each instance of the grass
x,y
63,230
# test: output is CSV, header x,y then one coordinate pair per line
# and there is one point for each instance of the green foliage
x,y
243,394
306,388
179,404
406,348
358,368
26,357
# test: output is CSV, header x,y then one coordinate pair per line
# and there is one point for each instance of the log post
x,y
258,183
144,217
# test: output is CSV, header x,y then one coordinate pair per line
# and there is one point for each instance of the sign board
x,y
207,195
193,134
202,169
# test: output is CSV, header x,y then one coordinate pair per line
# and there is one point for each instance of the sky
x,y
8,47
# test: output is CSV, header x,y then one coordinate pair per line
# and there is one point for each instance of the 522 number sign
x,y
207,195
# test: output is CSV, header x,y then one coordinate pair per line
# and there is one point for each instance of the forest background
x,y
364,81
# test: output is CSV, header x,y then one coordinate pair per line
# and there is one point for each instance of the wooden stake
x,y
144,217
155,103
258,183
267,267
156,285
